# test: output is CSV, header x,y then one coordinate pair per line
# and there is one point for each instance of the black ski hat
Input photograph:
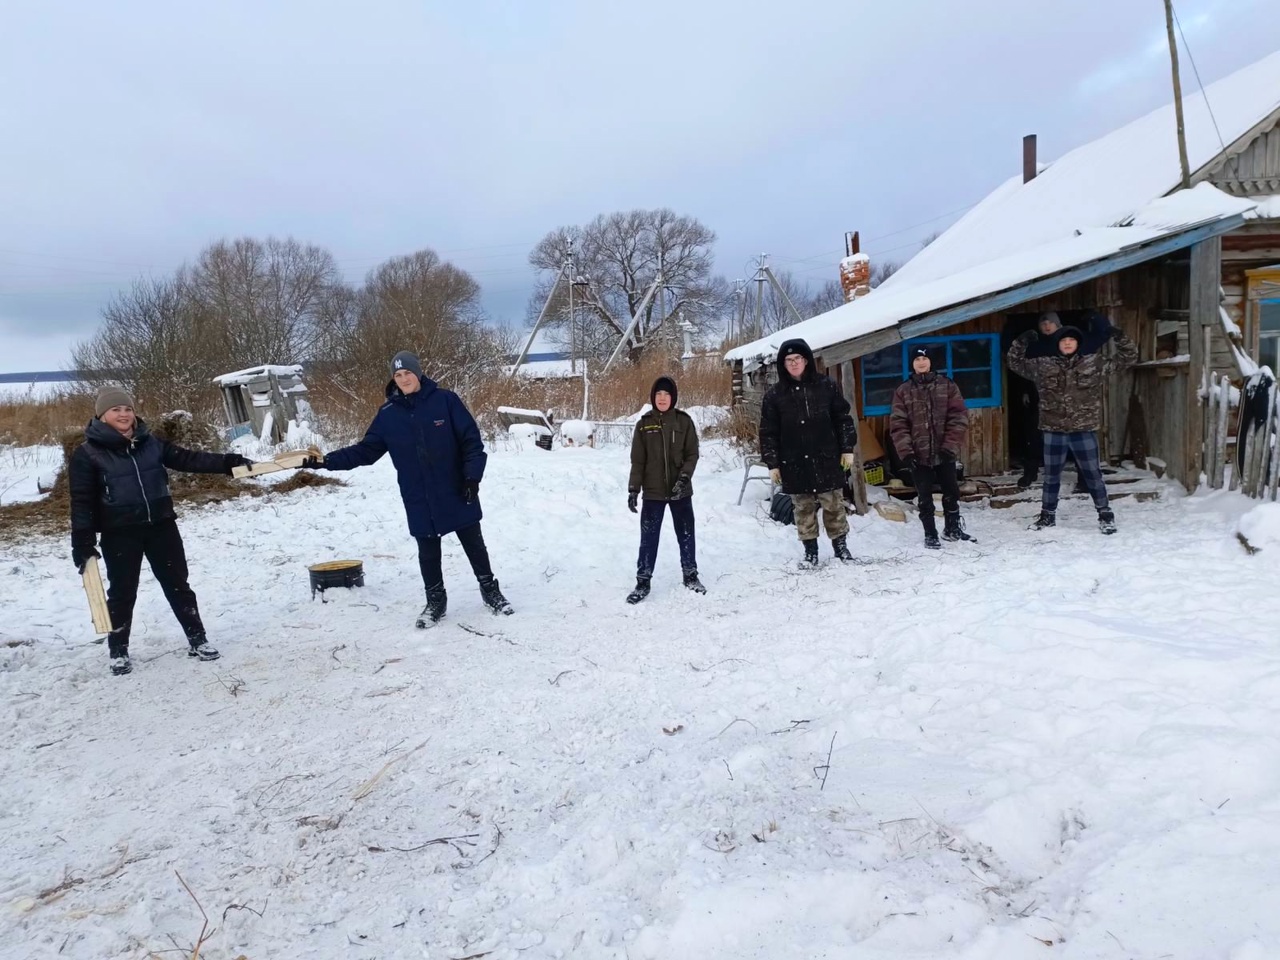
x,y
406,360
667,384
921,352
793,348
1075,333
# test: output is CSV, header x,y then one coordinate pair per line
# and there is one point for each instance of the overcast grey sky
x,y
135,132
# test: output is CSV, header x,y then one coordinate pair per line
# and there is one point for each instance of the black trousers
x,y
651,514
472,541
944,476
122,552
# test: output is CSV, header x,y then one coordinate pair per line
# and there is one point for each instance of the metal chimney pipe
x,y
1028,158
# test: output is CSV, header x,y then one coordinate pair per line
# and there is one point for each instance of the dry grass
x,y
51,515
32,421
702,382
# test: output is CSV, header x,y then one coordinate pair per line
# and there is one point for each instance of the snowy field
x,y
1048,745
27,471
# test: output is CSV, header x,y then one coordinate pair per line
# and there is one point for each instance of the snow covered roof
x,y
1170,218
1103,182
1092,203
254,373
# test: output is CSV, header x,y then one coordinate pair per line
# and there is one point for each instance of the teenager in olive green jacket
x,y
664,453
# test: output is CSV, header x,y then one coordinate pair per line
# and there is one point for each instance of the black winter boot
x,y
930,524
810,551
121,664
493,598
840,548
1046,519
433,612
953,529
692,582
1028,477
1107,521
640,592
201,649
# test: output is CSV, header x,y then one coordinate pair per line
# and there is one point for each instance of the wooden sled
x,y
97,597
290,460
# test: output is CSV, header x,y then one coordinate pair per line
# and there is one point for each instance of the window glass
x,y
970,354
974,384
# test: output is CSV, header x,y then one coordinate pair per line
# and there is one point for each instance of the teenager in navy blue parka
x,y
439,458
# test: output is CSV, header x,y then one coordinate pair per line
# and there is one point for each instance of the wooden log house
x,y
1192,276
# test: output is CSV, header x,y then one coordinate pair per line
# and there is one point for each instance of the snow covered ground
x,y
1043,745
26,471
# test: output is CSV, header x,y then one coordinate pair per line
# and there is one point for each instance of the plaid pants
x,y
1083,446
834,517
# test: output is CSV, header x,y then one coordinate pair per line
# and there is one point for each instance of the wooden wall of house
x,y
1256,245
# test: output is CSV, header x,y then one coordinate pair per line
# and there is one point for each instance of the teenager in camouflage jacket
x,y
928,423
1070,384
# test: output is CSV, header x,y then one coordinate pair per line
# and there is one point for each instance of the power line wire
x,y
1196,71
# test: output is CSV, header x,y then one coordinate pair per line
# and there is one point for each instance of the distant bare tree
x,y
930,238
827,296
618,255
157,343
881,272
270,298
416,302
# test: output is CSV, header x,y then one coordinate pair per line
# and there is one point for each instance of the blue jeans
x,y
651,513
1083,446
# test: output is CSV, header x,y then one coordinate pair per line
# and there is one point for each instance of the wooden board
x,y
97,596
290,460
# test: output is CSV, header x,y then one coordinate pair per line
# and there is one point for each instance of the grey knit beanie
x,y
406,360
109,397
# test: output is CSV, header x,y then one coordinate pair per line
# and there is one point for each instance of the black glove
x,y
313,463
84,547
632,497
470,490
681,484
911,463
946,456
232,460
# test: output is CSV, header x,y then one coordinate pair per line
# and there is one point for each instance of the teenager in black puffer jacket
x,y
120,488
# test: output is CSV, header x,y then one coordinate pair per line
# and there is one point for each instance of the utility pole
x,y
760,282
573,332
1177,96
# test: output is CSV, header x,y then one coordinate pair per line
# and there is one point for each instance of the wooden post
x,y
1177,96
857,475
1206,286
1211,430
1220,434
1274,483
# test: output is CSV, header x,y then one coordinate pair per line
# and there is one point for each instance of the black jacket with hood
x,y
117,481
664,448
805,426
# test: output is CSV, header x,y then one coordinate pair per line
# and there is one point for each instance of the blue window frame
x,y
972,360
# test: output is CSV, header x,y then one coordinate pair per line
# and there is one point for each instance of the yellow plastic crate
x,y
874,474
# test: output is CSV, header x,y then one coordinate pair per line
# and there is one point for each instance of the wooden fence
x,y
1254,467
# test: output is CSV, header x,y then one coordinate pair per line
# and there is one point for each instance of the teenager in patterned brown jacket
x,y
1070,384
928,424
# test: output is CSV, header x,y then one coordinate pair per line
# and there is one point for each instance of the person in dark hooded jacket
x,y
664,453
807,439
119,487
439,458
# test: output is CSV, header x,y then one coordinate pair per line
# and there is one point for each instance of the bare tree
x,y
156,342
881,272
269,298
619,256
416,302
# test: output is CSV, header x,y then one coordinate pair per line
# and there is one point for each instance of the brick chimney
x,y
855,270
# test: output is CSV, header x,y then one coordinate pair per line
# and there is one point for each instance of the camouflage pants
x,y
833,516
